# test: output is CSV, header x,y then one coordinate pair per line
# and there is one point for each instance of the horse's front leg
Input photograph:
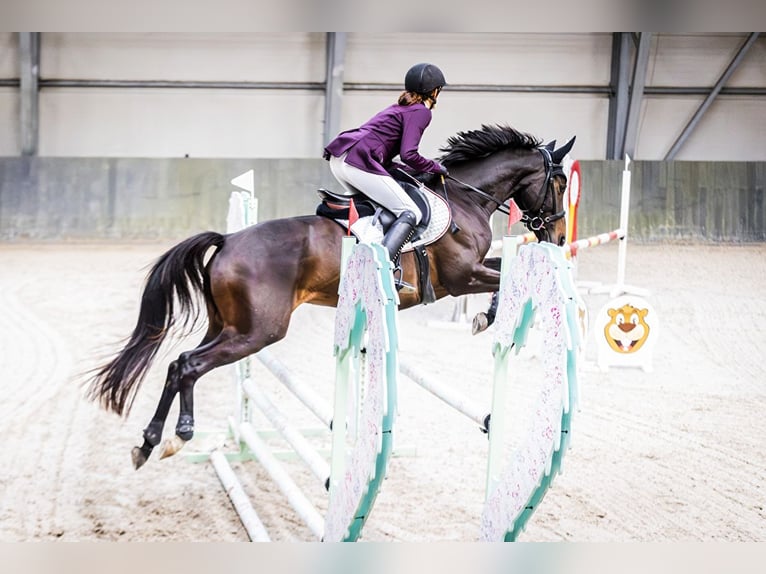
x,y
483,320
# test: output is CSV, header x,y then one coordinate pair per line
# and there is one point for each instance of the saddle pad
x,y
365,231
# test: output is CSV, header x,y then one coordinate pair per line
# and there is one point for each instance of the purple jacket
x,y
395,130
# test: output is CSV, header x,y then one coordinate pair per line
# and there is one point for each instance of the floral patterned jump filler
x,y
536,284
365,387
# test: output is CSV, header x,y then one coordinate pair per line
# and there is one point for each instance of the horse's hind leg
x,y
153,431
227,347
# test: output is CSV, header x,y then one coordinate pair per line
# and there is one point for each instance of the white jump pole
x,y
282,479
454,399
302,392
255,529
316,463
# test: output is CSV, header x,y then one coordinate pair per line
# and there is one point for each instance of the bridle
x,y
536,223
539,221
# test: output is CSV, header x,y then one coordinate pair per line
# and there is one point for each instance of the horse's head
x,y
501,162
543,205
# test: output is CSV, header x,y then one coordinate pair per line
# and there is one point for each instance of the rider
x,y
360,158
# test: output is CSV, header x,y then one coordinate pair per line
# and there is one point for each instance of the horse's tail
x,y
178,274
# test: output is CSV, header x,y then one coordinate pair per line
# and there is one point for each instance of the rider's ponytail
x,y
409,98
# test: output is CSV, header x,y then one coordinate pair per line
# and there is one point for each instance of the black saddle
x,y
336,206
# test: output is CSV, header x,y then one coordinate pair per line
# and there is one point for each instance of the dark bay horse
x,y
255,278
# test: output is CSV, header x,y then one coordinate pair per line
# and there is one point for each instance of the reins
x,y
501,206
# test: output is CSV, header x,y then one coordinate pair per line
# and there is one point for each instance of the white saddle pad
x,y
366,231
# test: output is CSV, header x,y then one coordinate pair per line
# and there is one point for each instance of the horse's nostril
x,y
562,241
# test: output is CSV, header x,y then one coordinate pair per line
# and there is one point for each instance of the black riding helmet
x,y
423,78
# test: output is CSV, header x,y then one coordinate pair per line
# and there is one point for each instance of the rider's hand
x,y
441,169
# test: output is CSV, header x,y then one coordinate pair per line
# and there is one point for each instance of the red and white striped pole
x,y
599,239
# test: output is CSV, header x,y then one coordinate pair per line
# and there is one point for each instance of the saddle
x,y
336,206
374,221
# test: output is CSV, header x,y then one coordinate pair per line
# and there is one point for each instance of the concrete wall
x,y
110,198
696,201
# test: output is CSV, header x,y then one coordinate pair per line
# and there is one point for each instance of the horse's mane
x,y
475,144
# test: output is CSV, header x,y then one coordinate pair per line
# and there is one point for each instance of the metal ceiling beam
x,y
618,99
364,87
29,73
636,94
181,84
687,131
333,104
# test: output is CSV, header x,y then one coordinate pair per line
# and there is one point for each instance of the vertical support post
x,y
497,422
251,209
342,376
336,57
618,101
497,419
637,93
622,252
243,212
29,67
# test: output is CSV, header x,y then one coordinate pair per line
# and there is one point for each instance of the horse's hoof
x,y
138,456
170,446
480,323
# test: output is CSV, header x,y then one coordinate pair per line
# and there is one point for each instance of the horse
x,y
255,278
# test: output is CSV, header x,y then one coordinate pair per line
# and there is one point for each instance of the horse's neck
x,y
498,179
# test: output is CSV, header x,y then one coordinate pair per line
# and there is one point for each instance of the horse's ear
x,y
559,154
550,146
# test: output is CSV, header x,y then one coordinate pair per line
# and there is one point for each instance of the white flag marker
x,y
245,181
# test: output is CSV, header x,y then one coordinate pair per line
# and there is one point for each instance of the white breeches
x,y
380,188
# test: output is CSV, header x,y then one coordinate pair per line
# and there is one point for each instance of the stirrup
x,y
400,284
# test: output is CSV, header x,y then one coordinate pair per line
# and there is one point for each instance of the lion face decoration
x,y
627,329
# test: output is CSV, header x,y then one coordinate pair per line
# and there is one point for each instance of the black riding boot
x,y
397,235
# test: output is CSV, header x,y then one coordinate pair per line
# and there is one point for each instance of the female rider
x,y
360,159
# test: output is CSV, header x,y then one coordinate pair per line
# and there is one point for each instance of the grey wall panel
x,y
10,143
297,57
482,58
700,59
733,128
172,123
9,55
548,116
